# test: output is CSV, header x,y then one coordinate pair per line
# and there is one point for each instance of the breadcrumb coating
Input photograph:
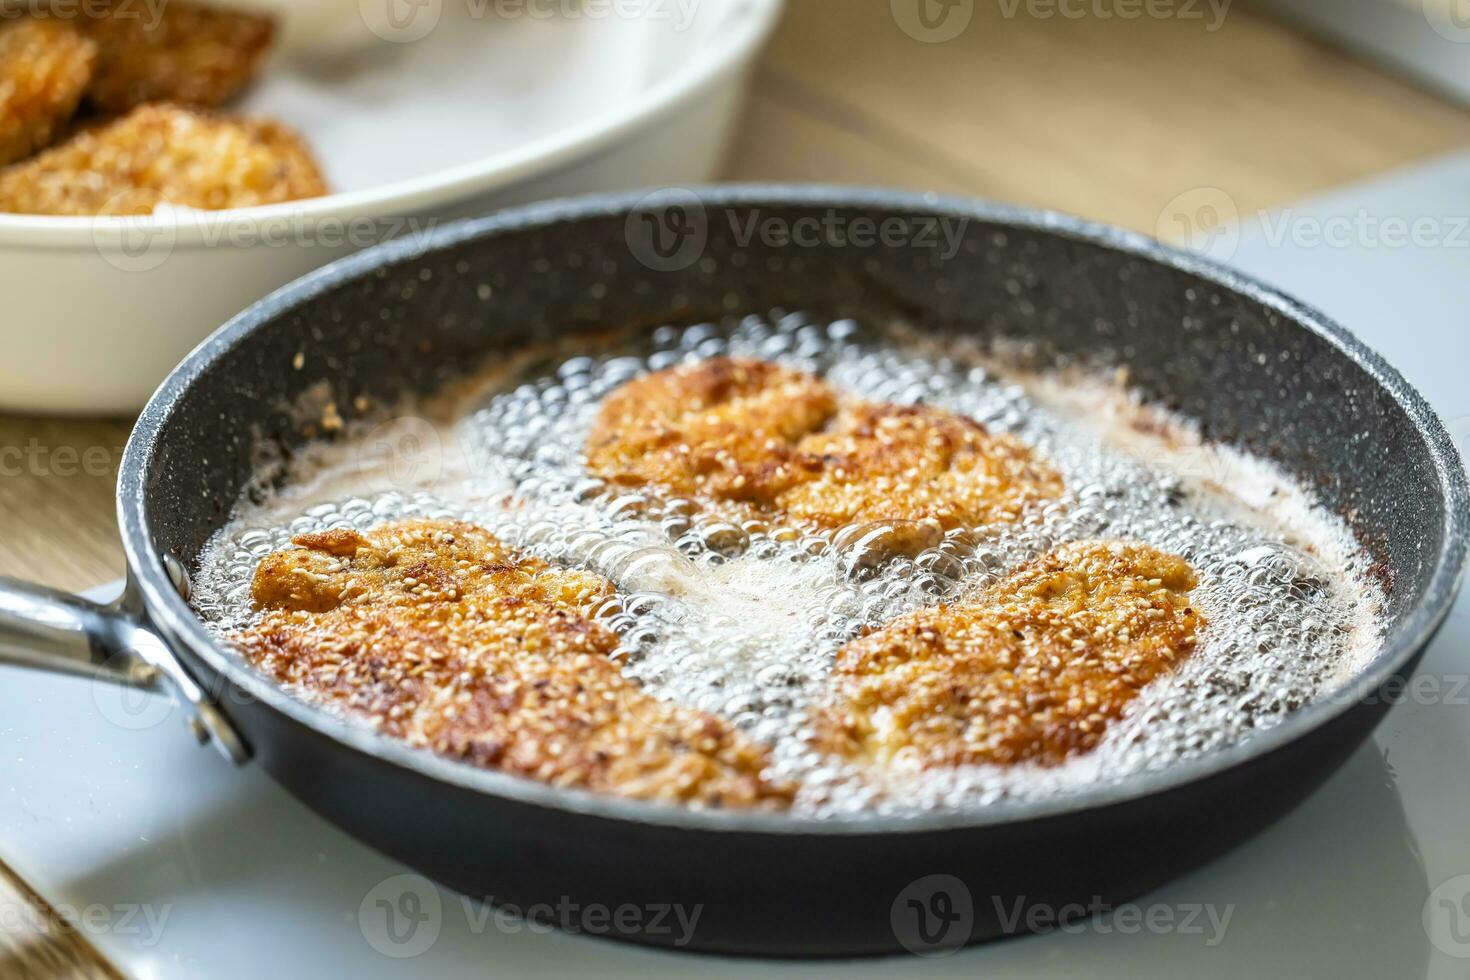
x,y
188,53
915,463
722,429
772,441
1032,670
439,635
44,68
161,154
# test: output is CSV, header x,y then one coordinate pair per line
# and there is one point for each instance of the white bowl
x,y
480,112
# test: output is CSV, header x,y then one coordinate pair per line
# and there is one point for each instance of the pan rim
x,y
172,615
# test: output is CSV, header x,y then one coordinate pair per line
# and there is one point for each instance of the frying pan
x,y
1258,371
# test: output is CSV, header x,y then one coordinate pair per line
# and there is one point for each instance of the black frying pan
x,y
1258,370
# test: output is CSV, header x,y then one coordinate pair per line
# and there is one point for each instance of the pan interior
x,y
1249,376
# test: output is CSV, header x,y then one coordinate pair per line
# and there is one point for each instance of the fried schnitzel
x,y
177,51
440,635
162,154
757,439
1034,669
44,68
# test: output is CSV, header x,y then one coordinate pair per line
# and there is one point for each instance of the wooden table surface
x,y
1118,120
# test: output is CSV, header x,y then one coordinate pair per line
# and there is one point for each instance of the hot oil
x,y
745,620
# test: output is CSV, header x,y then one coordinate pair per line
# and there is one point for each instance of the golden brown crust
x,y
441,636
721,429
767,440
44,68
1033,670
186,53
913,463
162,154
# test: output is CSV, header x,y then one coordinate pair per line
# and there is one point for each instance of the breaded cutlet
x,y
763,440
44,68
161,154
721,429
436,633
176,51
1034,669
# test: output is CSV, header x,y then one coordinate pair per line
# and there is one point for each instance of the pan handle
x,y
44,629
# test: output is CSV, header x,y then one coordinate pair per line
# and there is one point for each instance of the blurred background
x,y
1071,106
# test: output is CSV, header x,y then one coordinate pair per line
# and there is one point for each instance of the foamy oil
x,y
744,619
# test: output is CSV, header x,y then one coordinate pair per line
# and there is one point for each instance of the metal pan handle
x,y
44,629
